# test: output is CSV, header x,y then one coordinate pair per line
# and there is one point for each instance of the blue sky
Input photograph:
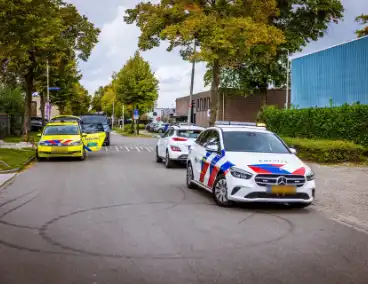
x,y
118,42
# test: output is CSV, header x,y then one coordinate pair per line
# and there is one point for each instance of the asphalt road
x,y
119,217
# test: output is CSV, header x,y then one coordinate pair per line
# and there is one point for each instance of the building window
x,y
197,105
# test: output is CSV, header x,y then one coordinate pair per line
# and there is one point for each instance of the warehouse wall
x,y
339,73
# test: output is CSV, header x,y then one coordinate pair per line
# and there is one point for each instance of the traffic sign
x,y
208,113
54,89
136,114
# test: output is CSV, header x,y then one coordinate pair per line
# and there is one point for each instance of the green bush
x,y
348,122
327,151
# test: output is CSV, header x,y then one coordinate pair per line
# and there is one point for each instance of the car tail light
x,y
179,139
175,149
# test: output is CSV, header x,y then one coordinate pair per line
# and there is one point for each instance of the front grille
x,y
299,195
271,179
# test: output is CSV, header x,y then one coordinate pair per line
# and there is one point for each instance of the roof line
x,y
336,45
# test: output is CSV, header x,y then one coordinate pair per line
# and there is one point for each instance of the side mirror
x,y
293,151
84,134
212,148
39,134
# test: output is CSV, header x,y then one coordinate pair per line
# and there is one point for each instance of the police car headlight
x,y
310,176
75,143
239,173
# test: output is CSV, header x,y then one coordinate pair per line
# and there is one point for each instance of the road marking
x,y
151,148
148,149
117,149
127,149
132,148
121,147
106,149
137,149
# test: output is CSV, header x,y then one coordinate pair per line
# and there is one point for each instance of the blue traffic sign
x,y
54,88
136,114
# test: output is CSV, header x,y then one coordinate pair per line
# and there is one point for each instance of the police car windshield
x,y
188,133
254,142
61,130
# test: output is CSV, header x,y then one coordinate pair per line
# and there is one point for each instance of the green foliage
x,y
327,151
301,22
11,100
136,85
226,31
347,122
362,19
80,101
41,30
96,103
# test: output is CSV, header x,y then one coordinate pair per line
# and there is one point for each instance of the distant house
x,y
36,107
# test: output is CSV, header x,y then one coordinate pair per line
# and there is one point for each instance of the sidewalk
x,y
19,145
5,178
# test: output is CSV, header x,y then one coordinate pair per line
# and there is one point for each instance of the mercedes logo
x,y
282,180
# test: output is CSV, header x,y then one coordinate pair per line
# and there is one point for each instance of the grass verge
x,y
16,139
11,159
327,151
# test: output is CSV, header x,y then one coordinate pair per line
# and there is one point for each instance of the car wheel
x,y
168,161
160,131
83,157
190,177
299,205
158,158
38,158
219,192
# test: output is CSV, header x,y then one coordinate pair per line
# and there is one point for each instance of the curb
x,y
18,169
6,183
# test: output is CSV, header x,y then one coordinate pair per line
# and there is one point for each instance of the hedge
x,y
348,122
327,151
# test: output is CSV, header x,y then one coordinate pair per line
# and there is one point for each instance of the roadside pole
x,y
191,86
123,118
48,91
287,81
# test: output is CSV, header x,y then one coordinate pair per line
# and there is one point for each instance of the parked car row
x,y
158,127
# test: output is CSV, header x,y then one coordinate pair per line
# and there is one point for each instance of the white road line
x,y
137,149
127,149
117,149
106,149
151,148
121,147
148,149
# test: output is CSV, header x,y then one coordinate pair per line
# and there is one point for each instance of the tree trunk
x,y
61,109
214,91
28,103
263,94
42,108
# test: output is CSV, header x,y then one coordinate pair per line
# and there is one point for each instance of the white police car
x,y
175,143
244,162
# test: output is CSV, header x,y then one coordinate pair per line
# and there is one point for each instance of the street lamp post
x,y
191,85
287,81
47,89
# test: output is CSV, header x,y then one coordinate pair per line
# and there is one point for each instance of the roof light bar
x,y
238,123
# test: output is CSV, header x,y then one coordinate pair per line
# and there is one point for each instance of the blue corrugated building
x,y
338,74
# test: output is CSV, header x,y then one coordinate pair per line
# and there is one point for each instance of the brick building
x,y
232,107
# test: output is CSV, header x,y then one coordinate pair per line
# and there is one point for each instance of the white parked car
x,y
246,163
174,144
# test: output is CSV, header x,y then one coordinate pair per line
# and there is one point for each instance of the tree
x,y
258,71
136,85
362,19
80,101
41,30
107,100
225,31
96,103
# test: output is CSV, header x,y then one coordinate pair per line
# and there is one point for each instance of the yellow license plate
x,y
59,150
283,189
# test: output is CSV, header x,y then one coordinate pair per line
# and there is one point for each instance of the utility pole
x,y
47,90
123,118
287,81
191,85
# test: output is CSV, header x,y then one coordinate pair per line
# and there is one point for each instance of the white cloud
x,y
118,41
